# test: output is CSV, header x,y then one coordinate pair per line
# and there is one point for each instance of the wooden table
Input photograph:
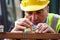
x,y
31,35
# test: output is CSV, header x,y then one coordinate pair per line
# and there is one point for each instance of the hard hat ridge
x,y
32,5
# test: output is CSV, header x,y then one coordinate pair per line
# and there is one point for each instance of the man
x,y
37,14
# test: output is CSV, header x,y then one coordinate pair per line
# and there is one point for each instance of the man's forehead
x,y
38,10
34,11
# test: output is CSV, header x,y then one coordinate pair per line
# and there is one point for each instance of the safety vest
x,y
54,21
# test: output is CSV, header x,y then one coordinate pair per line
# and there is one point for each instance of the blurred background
x,y
10,12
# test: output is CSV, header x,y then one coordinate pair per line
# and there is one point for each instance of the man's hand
x,y
21,24
44,28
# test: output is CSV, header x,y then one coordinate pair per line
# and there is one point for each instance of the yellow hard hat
x,y
33,5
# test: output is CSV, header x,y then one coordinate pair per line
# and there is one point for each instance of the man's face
x,y
37,16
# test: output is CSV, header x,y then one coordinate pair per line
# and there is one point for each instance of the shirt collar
x,y
47,20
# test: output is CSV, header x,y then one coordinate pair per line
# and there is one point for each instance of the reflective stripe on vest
x,y
54,22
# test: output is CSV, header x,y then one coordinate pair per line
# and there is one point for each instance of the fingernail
x,y
39,31
36,31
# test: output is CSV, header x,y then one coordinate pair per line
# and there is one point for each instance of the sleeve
x,y
11,27
58,26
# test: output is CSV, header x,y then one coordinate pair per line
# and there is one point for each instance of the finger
x,y
39,25
49,30
28,22
22,24
46,31
16,31
38,29
43,27
17,28
20,21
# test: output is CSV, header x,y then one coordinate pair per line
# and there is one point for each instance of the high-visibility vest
x,y
54,21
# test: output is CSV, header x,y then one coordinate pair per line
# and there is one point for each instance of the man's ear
x,y
48,8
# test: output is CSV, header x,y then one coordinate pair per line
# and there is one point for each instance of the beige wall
x,y
18,10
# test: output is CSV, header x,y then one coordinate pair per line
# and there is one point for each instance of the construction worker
x,y
37,15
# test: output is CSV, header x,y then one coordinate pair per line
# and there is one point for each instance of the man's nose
x,y
34,16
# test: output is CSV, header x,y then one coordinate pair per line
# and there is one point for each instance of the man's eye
x,y
29,13
39,11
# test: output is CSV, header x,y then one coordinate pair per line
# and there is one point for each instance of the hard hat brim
x,y
33,7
